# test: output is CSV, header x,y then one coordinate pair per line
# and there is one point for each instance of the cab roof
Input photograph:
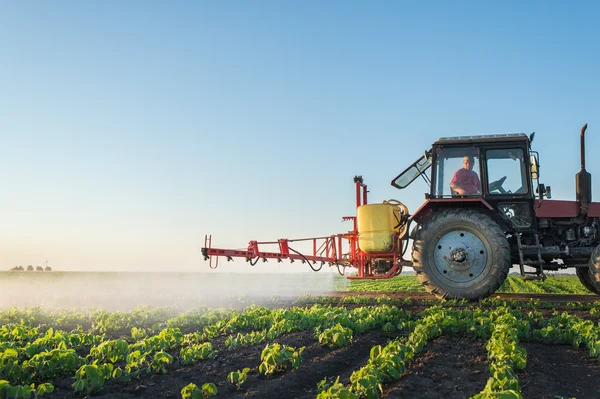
x,y
486,138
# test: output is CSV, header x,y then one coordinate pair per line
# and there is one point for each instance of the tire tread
x,y
496,237
594,271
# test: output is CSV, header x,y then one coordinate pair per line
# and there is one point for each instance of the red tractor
x,y
485,211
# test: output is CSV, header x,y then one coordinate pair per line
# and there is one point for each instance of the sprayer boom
x,y
376,251
324,250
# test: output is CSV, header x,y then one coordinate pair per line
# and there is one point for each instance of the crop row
x,y
502,328
28,357
513,284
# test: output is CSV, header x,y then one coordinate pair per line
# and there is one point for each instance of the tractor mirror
x,y
534,168
548,192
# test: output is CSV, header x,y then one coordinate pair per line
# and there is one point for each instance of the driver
x,y
465,181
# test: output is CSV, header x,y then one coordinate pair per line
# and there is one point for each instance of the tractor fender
x,y
563,209
426,211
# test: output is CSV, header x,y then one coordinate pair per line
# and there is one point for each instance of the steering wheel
x,y
497,185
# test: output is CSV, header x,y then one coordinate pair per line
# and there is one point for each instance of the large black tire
x,y
594,270
584,276
461,254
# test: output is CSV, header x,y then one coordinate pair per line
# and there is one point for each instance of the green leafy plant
x,y
336,336
388,328
24,391
90,378
238,377
335,390
191,391
505,355
252,338
194,353
110,351
10,367
136,362
276,358
160,362
54,363
138,333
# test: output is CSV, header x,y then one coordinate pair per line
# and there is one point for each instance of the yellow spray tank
x,y
378,225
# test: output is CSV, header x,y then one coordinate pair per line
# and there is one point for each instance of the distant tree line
x,y
30,268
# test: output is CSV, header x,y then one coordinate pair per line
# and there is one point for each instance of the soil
x,y
559,371
318,362
448,367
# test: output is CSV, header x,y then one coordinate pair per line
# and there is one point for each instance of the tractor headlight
x,y
518,214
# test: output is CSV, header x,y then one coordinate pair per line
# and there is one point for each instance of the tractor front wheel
x,y
461,254
594,271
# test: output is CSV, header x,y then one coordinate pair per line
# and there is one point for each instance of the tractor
x,y
464,239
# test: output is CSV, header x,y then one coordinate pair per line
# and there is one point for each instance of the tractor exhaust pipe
x,y
583,180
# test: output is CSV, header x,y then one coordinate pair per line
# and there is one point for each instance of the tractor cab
x,y
491,166
496,166
489,171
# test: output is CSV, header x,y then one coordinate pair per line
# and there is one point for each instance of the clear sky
x,y
128,130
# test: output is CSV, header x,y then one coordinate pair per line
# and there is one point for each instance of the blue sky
x,y
128,130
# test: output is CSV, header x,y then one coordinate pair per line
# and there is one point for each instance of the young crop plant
x,y
10,367
282,327
24,391
385,364
110,351
119,374
160,362
240,340
90,378
120,323
46,342
77,339
54,363
336,390
505,356
569,329
191,391
389,328
197,319
169,338
277,358
336,337
138,333
238,377
388,363
136,362
194,353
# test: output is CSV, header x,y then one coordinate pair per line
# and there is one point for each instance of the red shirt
x,y
467,180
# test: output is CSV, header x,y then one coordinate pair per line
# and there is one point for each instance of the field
x,y
513,284
69,335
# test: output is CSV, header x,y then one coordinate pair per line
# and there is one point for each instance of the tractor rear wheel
x,y
594,270
461,253
584,276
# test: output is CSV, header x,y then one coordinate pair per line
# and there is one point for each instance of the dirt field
x,y
448,367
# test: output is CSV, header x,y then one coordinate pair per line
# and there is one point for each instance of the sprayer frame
x,y
324,249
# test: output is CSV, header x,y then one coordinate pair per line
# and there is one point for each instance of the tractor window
x,y
412,172
457,172
506,171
